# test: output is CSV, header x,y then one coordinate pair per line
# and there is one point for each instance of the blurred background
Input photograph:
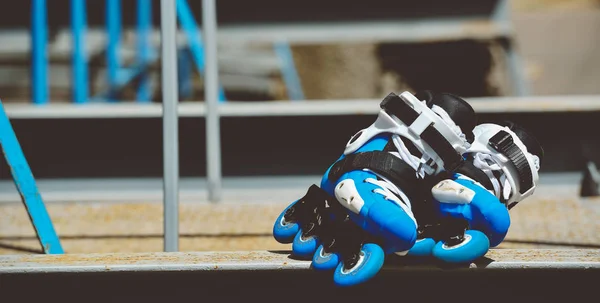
x,y
100,168
556,39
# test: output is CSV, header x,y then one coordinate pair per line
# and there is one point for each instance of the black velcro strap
x,y
442,147
469,169
503,143
383,163
394,105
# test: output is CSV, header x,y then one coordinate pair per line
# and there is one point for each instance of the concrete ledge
x,y
271,260
507,276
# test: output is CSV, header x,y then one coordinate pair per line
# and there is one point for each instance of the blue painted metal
x,y
288,71
39,57
144,27
188,23
79,56
26,185
126,75
113,27
514,62
184,70
118,77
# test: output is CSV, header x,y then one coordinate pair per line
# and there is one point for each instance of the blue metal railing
x,y
79,55
113,27
119,76
188,23
144,29
39,57
27,187
288,71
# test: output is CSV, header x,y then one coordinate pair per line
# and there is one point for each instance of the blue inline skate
x,y
355,255
501,169
375,184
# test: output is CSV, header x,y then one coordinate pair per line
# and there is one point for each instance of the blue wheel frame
x,y
284,232
371,261
325,261
422,248
304,247
475,246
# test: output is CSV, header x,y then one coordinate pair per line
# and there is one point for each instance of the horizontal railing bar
x,y
62,110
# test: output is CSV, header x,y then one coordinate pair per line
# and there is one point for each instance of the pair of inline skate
x,y
423,180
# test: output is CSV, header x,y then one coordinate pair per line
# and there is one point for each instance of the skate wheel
x,y
284,232
475,245
370,262
304,247
324,261
422,248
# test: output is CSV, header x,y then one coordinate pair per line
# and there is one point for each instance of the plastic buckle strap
x,y
503,143
394,105
389,166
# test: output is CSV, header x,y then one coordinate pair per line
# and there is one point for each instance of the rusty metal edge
x,y
520,259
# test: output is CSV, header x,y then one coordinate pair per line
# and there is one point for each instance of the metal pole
x,y
39,56
144,30
113,24
79,55
211,97
190,28
26,185
168,30
290,74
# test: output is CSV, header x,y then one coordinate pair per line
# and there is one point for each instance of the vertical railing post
x,y
188,25
79,54
168,32
288,70
39,55
113,27
211,93
514,62
144,27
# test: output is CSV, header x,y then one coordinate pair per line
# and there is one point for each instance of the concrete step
x,y
272,276
553,217
271,260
